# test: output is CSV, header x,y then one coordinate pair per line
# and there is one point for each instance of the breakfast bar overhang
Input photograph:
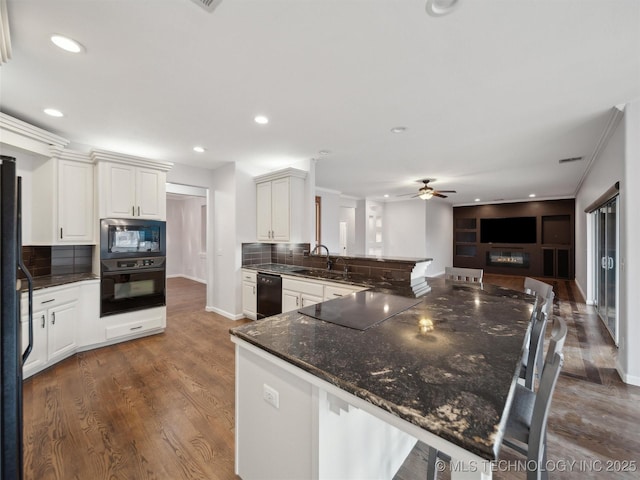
x,y
319,400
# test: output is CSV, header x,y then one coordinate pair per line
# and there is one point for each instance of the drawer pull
x,y
48,301
136,328
337,294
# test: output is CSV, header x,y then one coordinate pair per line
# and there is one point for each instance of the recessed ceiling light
x,y
477,200
198,149
398,129
437,8
53,112
531,195
324,152
386,195
261,119
66,43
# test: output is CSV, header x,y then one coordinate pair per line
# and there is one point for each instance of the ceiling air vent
x,y
567,160
5,41
208,5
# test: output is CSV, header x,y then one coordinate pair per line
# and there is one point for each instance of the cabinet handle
x,y
133,210
138,210
48,301
254,289
337,294
136,328
53,318
60,233
42,321
297,301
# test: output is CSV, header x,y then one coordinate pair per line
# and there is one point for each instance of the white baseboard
x,y
180,275
626,378
230,316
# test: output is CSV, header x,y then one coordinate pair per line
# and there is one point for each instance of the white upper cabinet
x,y
280,206
63,197
131,187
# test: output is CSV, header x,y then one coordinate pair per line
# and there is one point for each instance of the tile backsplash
x,y
57,260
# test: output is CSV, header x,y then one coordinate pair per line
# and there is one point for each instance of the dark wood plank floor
x,y
162,407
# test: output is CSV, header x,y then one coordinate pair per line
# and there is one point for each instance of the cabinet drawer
x,y
303,287
332,291
49,297
249,276
134,327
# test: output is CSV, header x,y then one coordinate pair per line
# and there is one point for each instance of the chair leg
x,y
432,473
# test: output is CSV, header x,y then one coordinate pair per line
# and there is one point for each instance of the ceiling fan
x,y
426,192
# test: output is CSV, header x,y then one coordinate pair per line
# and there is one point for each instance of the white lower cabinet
x,y
66,319
298,293
133,324
249,294
55,326
332,291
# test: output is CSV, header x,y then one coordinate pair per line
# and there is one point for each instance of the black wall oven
x,y
132,265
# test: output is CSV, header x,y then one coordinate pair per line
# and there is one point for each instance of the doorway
x,y
187,232
606,229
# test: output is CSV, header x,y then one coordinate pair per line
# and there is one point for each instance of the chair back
x,y
473,275
558,337
542,404
536,346
540,289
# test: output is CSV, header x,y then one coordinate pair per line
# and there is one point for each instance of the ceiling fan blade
x,y
404,194
438,194
447,191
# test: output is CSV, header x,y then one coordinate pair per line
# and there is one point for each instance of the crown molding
x,y
105,156
28,137
287,172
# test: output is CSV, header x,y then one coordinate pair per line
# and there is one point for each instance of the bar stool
x,y
472,275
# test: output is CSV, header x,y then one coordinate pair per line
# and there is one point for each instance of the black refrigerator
x,y
11,351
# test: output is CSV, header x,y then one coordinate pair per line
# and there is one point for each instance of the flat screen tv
x,y
508,230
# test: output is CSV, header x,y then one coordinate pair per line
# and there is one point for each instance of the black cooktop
x,y
360,310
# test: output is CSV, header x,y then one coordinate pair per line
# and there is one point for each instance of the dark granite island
x,y
351,403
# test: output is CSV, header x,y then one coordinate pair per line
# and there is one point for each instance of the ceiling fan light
x,y
426,195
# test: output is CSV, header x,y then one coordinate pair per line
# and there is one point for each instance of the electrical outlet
x,y
271,395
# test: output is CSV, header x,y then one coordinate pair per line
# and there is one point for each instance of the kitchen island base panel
x,y
320,431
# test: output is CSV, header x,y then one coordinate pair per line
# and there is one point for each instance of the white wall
x,y
618,161
404,227
417,228
186,256
439,236
330,219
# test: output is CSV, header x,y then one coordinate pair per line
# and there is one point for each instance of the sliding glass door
x,y
606,230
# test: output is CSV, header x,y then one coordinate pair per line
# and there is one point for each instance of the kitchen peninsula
x,y
319,400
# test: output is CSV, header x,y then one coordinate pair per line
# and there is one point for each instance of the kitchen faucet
x,y
329,262
346,267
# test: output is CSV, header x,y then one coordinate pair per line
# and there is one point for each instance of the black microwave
x,y
129,238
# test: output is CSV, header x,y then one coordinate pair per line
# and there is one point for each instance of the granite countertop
x,y
447,365
46,281
414,288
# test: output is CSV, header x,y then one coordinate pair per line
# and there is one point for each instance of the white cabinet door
x,y
75,202
150,194
306,300
280,209
249,299
120,183
290,300
263,211
62,330
38,357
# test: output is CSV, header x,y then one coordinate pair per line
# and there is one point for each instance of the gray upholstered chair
x,y
473,275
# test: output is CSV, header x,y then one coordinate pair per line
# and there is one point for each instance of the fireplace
x,y
508,258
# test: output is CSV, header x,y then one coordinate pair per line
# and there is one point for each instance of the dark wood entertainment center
x,y
552,254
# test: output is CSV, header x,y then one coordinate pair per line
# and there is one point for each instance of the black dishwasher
x,y
269,295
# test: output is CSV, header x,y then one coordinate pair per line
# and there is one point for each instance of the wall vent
x,y
567,160
208,5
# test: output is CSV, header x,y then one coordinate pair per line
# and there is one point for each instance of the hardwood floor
x,y
162,407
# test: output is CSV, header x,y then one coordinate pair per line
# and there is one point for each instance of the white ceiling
x,y
492,95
